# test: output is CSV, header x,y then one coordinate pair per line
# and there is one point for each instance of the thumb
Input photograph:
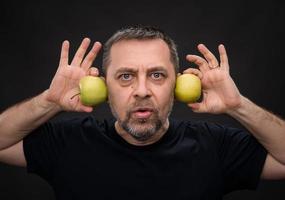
x,y
197,107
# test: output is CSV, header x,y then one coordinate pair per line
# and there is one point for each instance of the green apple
x,y
188,88
93,90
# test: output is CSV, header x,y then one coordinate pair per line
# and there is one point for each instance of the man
x,y
142,154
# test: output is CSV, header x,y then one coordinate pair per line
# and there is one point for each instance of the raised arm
x,y
19,120
220,95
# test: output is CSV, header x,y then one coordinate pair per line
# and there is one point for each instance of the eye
x,y
157,75
125,77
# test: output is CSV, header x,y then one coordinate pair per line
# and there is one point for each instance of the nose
x,y
141,88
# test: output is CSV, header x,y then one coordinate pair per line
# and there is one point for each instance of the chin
x,y
142,129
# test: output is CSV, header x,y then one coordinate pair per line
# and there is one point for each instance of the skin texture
x,y
137,84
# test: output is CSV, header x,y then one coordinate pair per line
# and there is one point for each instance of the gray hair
x,y
140,33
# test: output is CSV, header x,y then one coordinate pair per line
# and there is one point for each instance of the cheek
x,y
118,99
167,99
164,97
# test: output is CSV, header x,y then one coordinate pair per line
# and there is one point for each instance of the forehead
x,y
140,53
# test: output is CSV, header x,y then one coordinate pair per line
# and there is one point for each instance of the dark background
x,y
32,33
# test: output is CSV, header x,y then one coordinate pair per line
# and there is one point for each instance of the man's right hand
x,y
63,94
64,88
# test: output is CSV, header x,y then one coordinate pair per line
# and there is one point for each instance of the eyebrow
x,y
125,69
157,68
151,69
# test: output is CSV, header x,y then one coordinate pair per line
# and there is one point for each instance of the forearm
x,y
265,126
18,121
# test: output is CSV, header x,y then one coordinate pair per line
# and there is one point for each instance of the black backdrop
x,y
31,36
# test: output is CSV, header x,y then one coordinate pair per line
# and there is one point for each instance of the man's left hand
x,y
220,93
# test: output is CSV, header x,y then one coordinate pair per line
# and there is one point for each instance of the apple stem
x,y
74,95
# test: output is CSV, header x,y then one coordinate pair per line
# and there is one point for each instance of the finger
x,y
93,71
194,71
201,62
85,108
197,107
88,60
212,60
64,54
223,57
78,57
79,106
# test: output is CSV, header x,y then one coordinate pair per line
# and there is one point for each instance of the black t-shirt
x,y
86,159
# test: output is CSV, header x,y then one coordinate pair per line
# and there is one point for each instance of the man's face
x,y
140,80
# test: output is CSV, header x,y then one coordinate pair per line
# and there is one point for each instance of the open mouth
x,y
142,113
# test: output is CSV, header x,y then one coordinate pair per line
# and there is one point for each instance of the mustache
x,y
142,105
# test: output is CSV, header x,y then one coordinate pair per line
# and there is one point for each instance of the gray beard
x,y
142,129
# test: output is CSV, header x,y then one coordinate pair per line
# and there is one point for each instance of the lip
x,y
143,112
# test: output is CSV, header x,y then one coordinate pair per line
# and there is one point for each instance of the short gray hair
x,y
140,33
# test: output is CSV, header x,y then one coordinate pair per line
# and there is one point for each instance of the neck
x,y
157,136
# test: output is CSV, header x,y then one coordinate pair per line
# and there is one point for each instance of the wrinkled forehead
x,y
140,54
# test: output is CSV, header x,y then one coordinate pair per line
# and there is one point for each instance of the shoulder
x,y
72,127
196,126
82,122
203,129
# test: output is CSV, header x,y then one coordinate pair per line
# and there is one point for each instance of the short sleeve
x,y
241,156
43,147
47,147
